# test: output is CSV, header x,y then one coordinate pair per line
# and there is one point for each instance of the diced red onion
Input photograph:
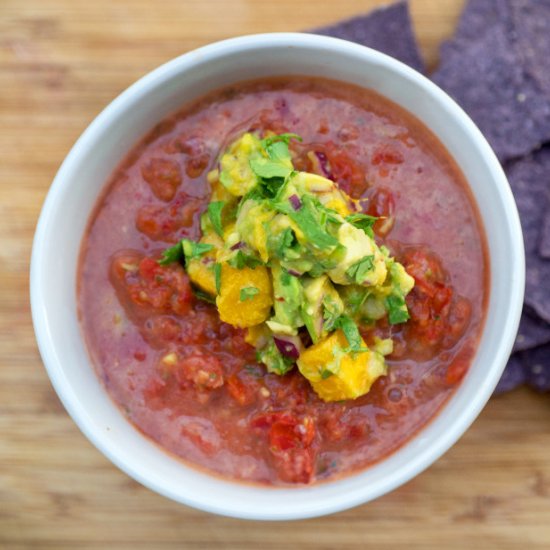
x,y
294,273
324,164
295,202
238,245
289,346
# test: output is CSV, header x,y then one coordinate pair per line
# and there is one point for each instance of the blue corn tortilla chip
x,y
476,18
487,69
531,20
544,240
388,30
513,376
532,332
536,366
531,367
529,178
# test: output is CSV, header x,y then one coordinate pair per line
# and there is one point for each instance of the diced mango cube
x,y
246,296
335,374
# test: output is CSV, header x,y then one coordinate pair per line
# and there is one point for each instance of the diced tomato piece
x,y
387,154
163,176
196,165
283,436
171,222
150,286
286,430
203,435
161,329
267,419
456,371
438,316
295,465
148,268
244,393
205,371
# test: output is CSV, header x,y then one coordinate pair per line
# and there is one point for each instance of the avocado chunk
x,y
287,301
236,175
273,359
321,307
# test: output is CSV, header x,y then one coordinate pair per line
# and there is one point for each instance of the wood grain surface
x,y
61,62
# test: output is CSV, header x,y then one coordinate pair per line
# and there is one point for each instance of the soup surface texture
x,y
190,381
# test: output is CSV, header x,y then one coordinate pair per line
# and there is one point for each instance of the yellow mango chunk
x,y
336,375
201,270
340,205
246,296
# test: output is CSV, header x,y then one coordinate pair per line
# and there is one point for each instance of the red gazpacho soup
x,y
284,281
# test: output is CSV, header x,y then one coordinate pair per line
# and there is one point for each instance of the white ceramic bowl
x,y
107,140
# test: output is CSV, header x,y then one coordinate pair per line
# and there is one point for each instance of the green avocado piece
x,y
272,358
321,307
288,297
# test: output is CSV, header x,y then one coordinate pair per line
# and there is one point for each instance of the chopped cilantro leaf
x,y
201,295
273,171
285,138
268,169
285,277
331,312
185,249
351,332
172,255
326,374
307,219
191,249
215,215
397,309
278,151
218,277
330,214
248,292
354,297
240,260
363,221
358,271
283,241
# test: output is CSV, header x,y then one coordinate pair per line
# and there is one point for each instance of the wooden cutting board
x,y
61,62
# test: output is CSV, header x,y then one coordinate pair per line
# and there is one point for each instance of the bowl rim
x,y
144,86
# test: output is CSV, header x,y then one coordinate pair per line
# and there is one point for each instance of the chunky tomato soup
x,y
191,382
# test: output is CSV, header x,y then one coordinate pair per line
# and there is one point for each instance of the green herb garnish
x,y
307,218
172,255
268,169
215,215
218,277
248,292
358,271
240,260
397,309
351,332
184,250
363,221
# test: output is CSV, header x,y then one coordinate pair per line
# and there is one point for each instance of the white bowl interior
x,y
111,136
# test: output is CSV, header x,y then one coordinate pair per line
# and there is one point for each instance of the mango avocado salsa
x,y
288,256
